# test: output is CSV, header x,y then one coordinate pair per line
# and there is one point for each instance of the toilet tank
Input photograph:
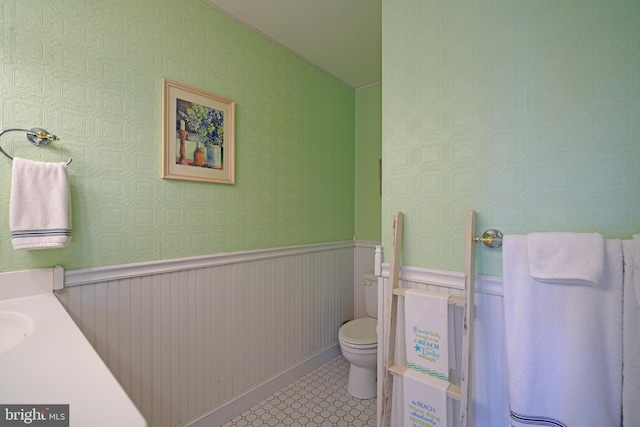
x,y
370,283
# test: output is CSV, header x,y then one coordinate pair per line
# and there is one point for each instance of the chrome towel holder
x,y
491,238
37,136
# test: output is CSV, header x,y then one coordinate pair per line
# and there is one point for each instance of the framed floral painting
x,y
197,134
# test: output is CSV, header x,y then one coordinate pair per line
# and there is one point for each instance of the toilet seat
x,y
359,333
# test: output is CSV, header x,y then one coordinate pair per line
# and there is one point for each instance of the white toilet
x,y
359,344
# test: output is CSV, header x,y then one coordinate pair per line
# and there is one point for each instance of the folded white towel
x,y
426,320
634,263
40,205
425,400
631,337
566,257
563,343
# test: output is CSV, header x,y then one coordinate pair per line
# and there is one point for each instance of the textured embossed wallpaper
x,y
526,111
368,155
91,71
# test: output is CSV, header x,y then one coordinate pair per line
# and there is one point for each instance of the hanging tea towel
x,y
426,333
425,400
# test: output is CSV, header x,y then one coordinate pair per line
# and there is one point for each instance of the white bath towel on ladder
x,y
40,205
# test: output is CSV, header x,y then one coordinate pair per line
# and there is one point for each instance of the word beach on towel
x,y
426,334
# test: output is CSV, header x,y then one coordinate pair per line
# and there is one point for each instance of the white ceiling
x,y
341,37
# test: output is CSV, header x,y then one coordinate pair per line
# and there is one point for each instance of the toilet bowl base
x,y
362,382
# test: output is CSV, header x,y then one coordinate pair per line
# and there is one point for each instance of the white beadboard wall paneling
x,y
200,340
489,375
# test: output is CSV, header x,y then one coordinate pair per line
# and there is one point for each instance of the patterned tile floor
x,y
319,399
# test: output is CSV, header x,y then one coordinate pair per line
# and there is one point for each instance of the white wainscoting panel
x,y
200,340
489,381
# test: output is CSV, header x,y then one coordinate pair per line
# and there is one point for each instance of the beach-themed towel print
x,y
426,334
425,401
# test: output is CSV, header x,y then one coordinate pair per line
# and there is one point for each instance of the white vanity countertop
x,y
56,364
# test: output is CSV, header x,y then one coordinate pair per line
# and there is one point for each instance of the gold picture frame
x,y
197,134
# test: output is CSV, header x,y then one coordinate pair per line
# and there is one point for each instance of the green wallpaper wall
x,y
368,155
526,111
90,71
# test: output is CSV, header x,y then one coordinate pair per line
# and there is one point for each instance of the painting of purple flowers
x,y
205,127
198,141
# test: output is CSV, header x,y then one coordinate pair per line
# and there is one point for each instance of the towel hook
x,y
491,238
37,136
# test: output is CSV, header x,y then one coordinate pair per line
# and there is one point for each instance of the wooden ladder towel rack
x,y
462,392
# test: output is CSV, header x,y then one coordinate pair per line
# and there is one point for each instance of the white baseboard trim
x,y
123,271
450,279
231,408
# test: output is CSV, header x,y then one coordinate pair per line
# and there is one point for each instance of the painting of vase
x,y
199,130
198,134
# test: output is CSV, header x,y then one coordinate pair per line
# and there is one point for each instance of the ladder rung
x,y
453,300
453,391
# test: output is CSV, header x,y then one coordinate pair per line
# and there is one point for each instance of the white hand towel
x,y
566,257
563,343
40,205
426,333
635,264
425,400
631,337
